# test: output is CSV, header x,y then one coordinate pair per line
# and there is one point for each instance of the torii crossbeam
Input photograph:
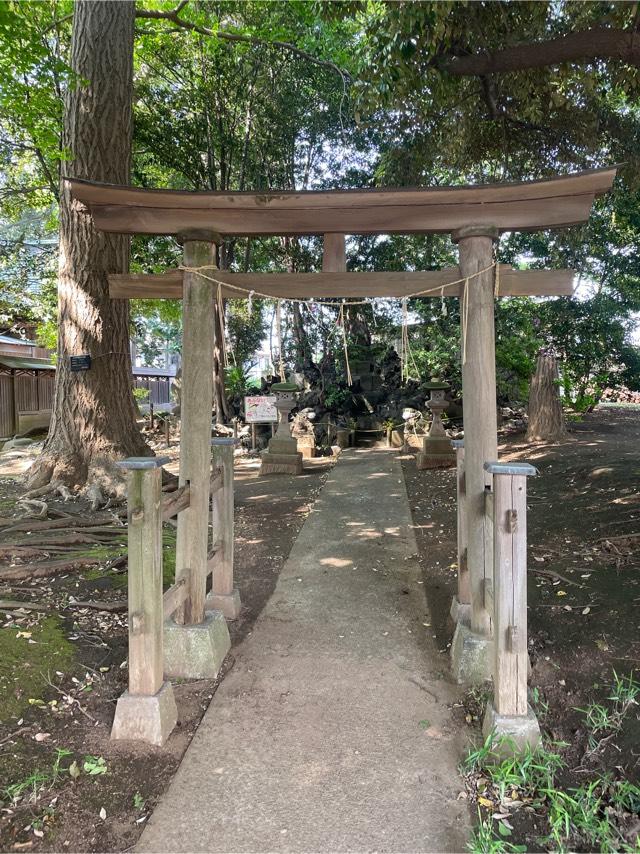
x,y
324,285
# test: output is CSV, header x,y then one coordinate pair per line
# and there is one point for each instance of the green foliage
x,y
94,765
236,381
37,781
335,397
381,105
591,817
601,718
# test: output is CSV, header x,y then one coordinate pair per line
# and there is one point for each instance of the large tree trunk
x,y
93,421
546,418
304,363
220,403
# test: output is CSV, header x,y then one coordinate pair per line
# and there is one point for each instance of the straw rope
x,y
405,346
199,271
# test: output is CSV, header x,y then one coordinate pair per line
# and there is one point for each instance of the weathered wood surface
x,y
479,411
174,597
217,481
145,580
510,595
338,283
464,595
222,520
175,502
334,255
560,201
195,435
214,559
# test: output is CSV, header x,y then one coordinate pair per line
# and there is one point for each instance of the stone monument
x,y
282,456
303,432
437,450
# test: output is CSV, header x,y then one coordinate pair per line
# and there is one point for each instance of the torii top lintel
x,y
527,206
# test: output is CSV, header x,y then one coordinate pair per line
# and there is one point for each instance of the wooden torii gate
x,y
473,215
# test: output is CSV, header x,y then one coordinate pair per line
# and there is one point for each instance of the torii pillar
x,y
471,649
196,640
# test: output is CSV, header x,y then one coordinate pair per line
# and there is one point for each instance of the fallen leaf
x,y
74,770
42,736
103,813
485,802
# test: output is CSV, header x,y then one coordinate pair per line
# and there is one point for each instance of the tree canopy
x,y
281,95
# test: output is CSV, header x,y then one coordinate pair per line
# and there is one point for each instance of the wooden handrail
x,y
174,597
461,605
175,502
217,480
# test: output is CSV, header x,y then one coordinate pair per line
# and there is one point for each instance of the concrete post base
x,y
471,656
281,463
228,603
196,651
460,611
513,733
149,718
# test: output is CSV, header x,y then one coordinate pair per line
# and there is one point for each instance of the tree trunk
x,y
220,403
221,407
93,421
304,363
546,418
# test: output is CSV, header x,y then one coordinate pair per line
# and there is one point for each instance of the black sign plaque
x,y
80,363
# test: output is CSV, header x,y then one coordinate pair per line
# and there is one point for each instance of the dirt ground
x,y
63,784
584,584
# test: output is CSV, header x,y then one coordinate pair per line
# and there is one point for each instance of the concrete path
x,y
331,733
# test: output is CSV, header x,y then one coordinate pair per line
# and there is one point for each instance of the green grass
x,y
32,785
24,665
608,717
119,580
589,817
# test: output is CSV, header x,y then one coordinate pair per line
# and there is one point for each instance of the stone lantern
x,y
282,456
437,450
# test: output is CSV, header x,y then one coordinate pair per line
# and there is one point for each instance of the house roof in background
x,y
154,372
22,364
9,339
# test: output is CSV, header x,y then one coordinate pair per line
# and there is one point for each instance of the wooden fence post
x,y
147,711
224,596
461,604
509,716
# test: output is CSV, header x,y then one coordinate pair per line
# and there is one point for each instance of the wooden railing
x,y
149,607
224,596
461,604
505,598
